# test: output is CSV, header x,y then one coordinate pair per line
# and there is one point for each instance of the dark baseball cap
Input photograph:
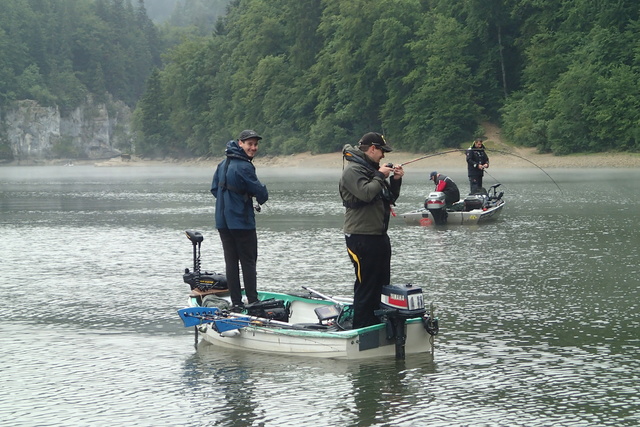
x,y
248,134
433,175
376,139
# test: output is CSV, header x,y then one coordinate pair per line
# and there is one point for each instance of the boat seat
x,y
327,313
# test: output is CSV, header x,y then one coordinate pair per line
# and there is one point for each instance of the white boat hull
x,y
301,337
352,344
423,218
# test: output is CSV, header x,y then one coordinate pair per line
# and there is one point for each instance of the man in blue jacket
x,y
234,186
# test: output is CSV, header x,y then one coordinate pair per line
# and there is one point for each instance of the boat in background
x,y
473,209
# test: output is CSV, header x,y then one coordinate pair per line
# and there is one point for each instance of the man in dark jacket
x,y
477,162
447,186
234,186
367,196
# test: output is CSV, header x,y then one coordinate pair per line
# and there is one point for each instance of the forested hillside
x,y
312,75
57,51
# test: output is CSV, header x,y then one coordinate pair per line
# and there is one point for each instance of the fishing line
x,y
527,160
496,151
492,177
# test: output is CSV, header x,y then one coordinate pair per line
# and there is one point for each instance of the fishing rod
x,y
431,155
491,150
527,160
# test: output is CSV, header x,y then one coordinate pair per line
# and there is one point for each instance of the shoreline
x,y
505,156
518,159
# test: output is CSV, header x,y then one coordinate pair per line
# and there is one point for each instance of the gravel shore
x,y
496,149
520,158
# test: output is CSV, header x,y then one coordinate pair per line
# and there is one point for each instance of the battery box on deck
x,y
271,308
407,299
474,201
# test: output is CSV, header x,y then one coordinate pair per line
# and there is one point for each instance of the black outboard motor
x,y
436,206
196,279
399,303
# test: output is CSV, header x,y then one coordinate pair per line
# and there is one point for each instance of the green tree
x,y
30,85
151,120
441,111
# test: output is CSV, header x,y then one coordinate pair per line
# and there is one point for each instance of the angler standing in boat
x,y
234,186
367,195
477,162
447,186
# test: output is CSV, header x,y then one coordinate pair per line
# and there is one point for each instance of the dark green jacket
x,y
366,194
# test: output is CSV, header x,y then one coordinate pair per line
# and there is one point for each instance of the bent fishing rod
x,y
494,151
432,155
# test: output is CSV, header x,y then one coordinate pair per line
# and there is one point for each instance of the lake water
x,y
539,314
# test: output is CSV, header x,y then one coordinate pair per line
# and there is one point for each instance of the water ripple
x,y
538,311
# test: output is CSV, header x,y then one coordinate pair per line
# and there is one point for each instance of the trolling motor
x,y
196,279
493,194
399,303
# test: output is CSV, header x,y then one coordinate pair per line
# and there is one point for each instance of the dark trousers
x,y
475,183
240,247
371,258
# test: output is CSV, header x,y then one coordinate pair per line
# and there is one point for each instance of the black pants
x,y
371,258
475,183
240,246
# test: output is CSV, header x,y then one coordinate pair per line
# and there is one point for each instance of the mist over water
x,y
538,310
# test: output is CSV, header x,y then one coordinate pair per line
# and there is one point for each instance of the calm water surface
x,y
538,311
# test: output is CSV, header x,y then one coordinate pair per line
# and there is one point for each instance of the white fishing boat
x,y
308,323
473,209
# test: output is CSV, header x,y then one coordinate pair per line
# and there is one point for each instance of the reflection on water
x,y
243,388
538,311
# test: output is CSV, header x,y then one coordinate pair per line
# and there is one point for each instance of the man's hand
x,y
398,172
386,169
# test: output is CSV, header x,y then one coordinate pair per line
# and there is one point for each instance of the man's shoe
x,y
237,308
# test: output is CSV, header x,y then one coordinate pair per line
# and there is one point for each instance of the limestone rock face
x,y
91,131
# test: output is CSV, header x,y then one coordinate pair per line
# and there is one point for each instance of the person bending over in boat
x,y
234,186
477,162
447,186
368,190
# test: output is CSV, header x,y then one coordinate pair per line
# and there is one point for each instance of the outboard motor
x,y
436,206
407,300
399,303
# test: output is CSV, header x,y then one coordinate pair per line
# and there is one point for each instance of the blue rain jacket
x,y
234,186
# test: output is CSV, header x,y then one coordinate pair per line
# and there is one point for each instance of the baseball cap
x,y
377,139
247,134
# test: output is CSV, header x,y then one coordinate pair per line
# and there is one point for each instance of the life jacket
x,y
223,180
385,193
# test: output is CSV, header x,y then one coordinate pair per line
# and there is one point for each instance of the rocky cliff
x,y
91,131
